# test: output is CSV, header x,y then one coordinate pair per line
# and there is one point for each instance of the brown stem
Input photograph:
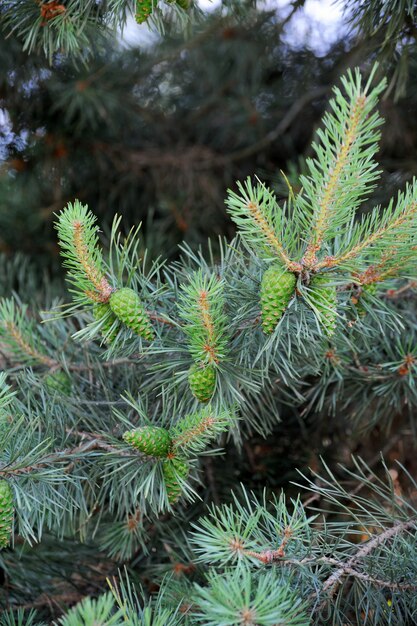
x,y
332,583
269,556
95,442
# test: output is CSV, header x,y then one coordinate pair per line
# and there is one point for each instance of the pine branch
x,y
348,143
193,432
76,28
269,556
79,243
394,235
45,462
261,222
7,394
19,335
201,306
330,585
331,187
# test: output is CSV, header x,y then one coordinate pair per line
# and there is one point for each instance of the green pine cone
x,y
6,513
59,381
324,298
174,470
277,289
126,305
202,379
371,289
144,9
99,311
151,440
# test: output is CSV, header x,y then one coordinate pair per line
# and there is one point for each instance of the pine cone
x,y
151,440
6,513
144,9
99,311
202,379
371,289
59,381
174,470
126,305
277,289
324,298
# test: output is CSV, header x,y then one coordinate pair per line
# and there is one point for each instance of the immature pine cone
x,y
174,470
6,513
143,10
99,311
202,380
324,298
126,305
151,440
371,289
277,289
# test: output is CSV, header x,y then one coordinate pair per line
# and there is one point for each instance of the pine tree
x,y
116,461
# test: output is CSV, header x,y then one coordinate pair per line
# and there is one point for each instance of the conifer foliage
x,y
77,27
170,364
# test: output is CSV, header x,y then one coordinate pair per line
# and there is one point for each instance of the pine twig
x,y
332,583
331,188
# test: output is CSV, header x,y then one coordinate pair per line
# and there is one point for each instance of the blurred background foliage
x,y
158,130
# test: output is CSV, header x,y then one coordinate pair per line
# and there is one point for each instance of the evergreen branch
x,y
193,432
261,222
23,342
18,334
396,293
331,188
159,318
96,442
92,273
208,324
330,585
6,392
15,334
77,234
76,28
201,306
385,584
347,144
397,228
265,557
45,462
64,455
